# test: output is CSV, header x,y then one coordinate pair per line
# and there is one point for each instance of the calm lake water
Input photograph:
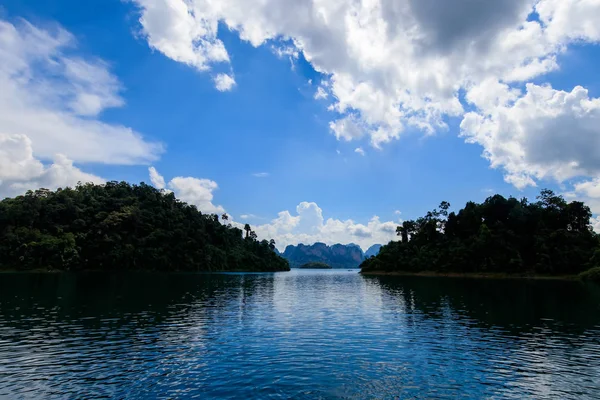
x,y
301,334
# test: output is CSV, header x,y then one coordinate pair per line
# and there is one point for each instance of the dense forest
x,y
117,226
549,236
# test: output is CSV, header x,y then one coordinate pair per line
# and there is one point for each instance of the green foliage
x,y
592,274
549,236
118,226
315,265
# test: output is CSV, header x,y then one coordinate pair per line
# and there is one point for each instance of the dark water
x,y
303,334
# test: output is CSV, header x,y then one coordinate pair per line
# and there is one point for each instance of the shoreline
x,y
99,271
471,275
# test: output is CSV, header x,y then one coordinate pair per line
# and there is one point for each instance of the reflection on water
x,y
302,334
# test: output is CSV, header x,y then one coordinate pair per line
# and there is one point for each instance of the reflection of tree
x,y
129,326
516,305
100,295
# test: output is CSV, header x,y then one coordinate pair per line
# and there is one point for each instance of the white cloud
x,y
320,93
360,151
16,158
392,63
589,188
261,174
389,64
543,134
596,224
347,128
290,52
309,226
158,181
21,171
570,19
54,98
198,192
587,191
173,28
224,82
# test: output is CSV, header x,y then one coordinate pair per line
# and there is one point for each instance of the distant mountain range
x,y
337,256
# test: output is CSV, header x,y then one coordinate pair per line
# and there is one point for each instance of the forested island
x,y
315,265
122,227
500,235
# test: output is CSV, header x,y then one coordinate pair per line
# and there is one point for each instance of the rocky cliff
x,y
337,256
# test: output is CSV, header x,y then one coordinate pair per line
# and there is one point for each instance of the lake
x,y
301,334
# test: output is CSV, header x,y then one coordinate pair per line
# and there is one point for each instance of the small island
x,y
498,238
315,265
117,226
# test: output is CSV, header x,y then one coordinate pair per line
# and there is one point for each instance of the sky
x,y
311,120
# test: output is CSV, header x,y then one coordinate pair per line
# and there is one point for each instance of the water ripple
x,y
301,335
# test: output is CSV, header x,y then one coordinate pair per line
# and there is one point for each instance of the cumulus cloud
x,y
198,192
308,226
172,27
55,97
587,191
224,82
544,133
21,171
388,64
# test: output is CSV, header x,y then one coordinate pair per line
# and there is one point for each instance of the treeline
x,y
315,265
549,236
118,226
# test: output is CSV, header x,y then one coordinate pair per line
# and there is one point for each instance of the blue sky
x,y
270,123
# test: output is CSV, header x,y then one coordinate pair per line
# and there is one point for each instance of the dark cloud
x,y
452,23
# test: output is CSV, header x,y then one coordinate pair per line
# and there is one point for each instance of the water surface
x,y
301,334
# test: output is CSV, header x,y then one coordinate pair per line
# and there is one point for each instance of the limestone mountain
x,y
373,250
337,256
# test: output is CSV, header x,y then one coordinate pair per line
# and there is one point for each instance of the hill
x,y
118,226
